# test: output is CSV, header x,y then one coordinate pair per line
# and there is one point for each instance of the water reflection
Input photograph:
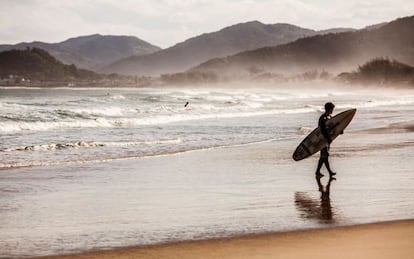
x,y
310,208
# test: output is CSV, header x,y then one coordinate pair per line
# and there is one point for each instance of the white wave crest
x,y
90,144
151,119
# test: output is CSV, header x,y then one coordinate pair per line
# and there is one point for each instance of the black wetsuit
x,y
324,129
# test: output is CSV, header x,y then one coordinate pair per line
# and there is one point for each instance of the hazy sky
x,y
167,22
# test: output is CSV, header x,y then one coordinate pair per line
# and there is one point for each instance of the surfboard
x,y
315,141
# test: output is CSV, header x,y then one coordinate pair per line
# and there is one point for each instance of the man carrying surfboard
x,y
329,107
321,137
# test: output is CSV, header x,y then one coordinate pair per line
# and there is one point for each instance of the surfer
x,y
186,104
329,107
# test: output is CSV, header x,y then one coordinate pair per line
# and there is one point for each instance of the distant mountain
x,y
375,26
107,49
333,52
93,51
38,64
228,41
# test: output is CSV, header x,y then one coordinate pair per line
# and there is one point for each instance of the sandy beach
x,y
378,240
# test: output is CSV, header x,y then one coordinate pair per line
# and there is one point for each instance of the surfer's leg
x,y
323,160
326,161
320,163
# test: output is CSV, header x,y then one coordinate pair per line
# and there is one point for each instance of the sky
x,y
167,22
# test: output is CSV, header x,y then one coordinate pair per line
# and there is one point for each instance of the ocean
x,y
98,168
41,127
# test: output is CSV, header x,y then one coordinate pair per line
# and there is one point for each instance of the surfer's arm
x,y
326,135
324,129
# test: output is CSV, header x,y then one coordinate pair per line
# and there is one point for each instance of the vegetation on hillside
x,y
378,71
381,71
90,52
36,67
38,64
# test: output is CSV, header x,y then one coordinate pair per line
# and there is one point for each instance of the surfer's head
x,y
329,107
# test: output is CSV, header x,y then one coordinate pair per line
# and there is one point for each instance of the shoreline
x,y
390,239
104,160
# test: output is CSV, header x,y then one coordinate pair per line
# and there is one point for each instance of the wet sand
x,y
378,240
231,197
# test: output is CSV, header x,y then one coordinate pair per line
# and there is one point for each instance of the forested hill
x,y
381,71
91,51
35,63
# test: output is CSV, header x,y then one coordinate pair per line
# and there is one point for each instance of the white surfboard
x,y
315,141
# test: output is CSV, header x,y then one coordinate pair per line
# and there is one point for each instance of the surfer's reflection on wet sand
x,y
310,208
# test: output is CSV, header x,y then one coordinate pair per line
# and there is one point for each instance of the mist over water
x,y
58,126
